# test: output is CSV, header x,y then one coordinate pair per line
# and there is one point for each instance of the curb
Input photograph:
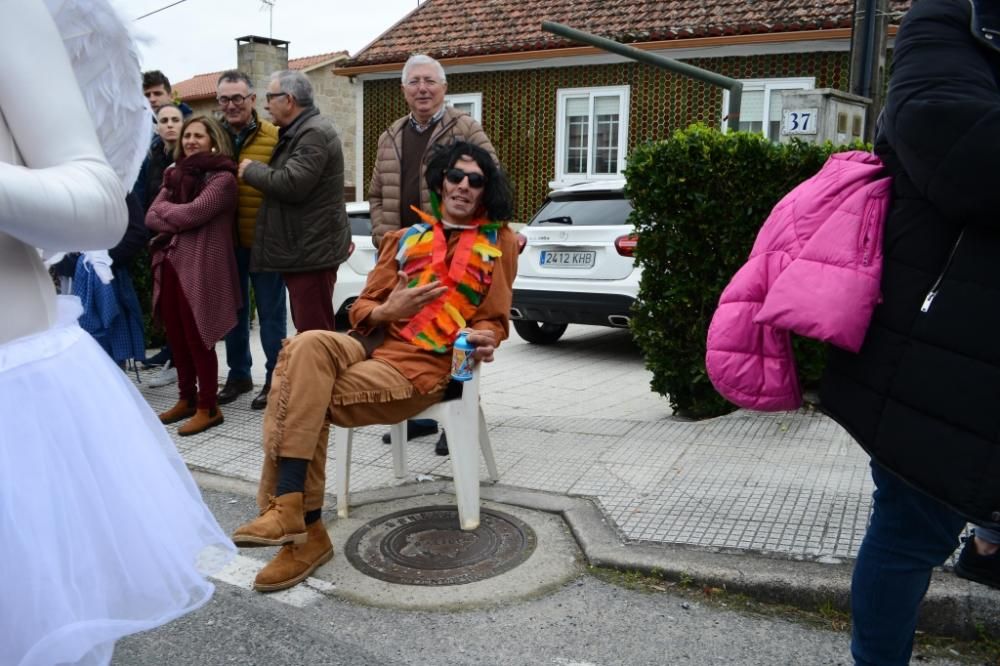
x,y
952,607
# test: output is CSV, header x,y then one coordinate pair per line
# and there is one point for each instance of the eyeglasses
x,y
427,81
476,180
238,100
271,96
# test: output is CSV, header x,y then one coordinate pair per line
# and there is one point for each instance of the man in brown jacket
x,y
398,177
397,359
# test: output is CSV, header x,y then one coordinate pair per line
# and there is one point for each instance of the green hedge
x,y
700,198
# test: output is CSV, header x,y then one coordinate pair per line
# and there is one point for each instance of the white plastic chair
x,y
462,418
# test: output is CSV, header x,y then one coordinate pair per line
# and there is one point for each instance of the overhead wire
x,y
157,11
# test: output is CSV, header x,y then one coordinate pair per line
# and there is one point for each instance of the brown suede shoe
x,y
282,522
202,420
184,409
294,563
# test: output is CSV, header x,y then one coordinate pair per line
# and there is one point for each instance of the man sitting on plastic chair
x,y
453,272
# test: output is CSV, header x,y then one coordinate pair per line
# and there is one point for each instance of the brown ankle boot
x,y
202,420
184,409
280,523
294,563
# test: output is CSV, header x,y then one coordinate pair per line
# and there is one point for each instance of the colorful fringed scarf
x,y
422,256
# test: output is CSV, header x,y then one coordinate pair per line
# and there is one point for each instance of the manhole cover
x,y
424,546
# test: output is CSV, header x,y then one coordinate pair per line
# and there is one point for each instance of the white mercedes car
x,y
577,263
361,259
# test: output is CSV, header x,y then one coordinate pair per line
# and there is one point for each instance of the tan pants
x,y
322,378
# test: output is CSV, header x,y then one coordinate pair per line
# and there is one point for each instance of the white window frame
x,y
475,99
767,86
564,94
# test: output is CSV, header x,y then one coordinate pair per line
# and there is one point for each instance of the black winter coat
x,y
136,234
923,395
302,223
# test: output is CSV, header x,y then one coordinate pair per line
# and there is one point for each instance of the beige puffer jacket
x,y
383,195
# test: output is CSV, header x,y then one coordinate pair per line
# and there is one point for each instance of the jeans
x,y
269,293
910,534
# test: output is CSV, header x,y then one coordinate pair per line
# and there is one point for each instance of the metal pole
x,y
735,87
869,37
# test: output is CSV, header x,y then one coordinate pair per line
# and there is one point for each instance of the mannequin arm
x,y
66,197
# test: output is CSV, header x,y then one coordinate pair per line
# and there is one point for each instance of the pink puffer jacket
x,y
814,270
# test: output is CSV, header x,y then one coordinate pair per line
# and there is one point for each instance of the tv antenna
x,y
268,5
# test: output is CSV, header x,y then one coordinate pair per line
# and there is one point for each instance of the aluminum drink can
x,y
461,358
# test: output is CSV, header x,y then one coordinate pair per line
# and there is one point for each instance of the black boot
x,y
260,401
441,448
233,389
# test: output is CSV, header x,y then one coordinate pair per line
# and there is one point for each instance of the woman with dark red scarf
x,y
195,289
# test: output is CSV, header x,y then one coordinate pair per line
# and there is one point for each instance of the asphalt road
x,y
588,622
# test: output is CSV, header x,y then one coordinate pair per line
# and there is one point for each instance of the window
x,y
470,103
761,107
591,130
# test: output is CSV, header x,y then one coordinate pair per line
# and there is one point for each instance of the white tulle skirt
x,y
103,532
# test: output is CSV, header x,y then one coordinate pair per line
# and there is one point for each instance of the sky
x,y
198,36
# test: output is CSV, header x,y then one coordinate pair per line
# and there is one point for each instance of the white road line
x,y
241,571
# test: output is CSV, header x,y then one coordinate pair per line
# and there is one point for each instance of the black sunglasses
x,y
476,180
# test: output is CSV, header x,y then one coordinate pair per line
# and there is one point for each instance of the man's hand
x,y
404,302
243,167
485,343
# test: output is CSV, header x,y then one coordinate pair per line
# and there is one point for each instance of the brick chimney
x,y
258,57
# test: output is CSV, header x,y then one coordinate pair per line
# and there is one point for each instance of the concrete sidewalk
x,y
578,418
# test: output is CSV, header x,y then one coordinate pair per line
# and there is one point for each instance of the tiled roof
x,y
455,28
309,62
202,86
199,86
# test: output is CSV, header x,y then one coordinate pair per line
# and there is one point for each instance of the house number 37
x,y
799,121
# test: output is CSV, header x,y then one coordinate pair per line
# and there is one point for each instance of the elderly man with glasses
x,y
253,138
398,184
302,229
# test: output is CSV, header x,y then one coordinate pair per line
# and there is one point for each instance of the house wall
x,y
206,107
519,106
334,97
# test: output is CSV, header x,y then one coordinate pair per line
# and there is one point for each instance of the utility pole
x,y
869,38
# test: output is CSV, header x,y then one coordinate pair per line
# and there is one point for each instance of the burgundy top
x,y
201,251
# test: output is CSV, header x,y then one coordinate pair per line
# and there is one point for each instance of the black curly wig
x,y
497,196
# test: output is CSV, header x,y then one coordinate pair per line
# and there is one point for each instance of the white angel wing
x,y
106,63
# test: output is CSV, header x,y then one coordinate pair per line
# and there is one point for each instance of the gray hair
x,y
235,76
421,59
295,84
